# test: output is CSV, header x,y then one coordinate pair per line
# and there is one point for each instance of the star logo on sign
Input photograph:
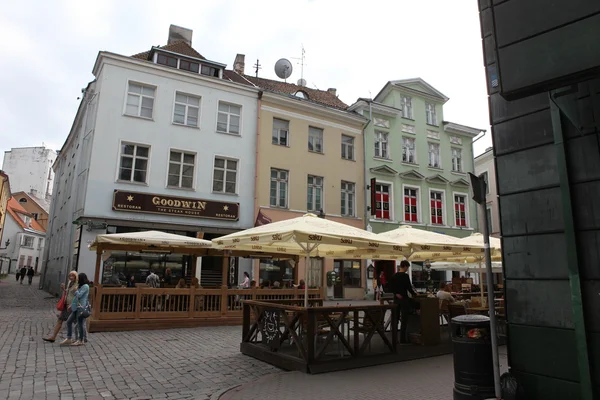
x,y
130,198
225,208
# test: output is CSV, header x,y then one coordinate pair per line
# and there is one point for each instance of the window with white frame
x,y
456,159
315,139
460,210
279,188
314,195
381,144
181,169
434,155
409,154
133,165
28,241
411,208
437,207
140,100
228,119
186,110
407,110
40,243
348,195
225,175
347,147
281,132
430,114
383,200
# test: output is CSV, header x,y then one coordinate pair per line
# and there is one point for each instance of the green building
x,y
419,161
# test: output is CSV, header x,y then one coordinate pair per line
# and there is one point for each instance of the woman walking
x,y
69,292
80,307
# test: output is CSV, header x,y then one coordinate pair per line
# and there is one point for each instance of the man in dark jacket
x,y
401,287
23,273
30,273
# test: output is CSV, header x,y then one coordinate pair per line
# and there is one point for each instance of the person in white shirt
x,y
444,293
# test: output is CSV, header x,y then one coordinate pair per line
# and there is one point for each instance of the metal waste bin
x,y
473,365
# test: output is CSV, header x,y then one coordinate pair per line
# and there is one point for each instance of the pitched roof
x,y
317,96
15,210
42,203
179,47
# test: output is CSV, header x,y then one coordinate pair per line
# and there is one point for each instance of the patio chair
x,y
366,325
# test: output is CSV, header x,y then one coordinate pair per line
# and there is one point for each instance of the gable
x,y
383,170
420,86
460,183
412,174
437,178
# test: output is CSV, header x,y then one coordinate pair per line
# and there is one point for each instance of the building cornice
x,y
398,85
457,129
378,108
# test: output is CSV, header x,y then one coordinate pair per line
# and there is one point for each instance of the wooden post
x,y
138,302
224,299
97,299
97,272
192,303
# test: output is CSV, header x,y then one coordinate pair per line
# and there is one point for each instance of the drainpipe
x,y
473,165
365,195
256,173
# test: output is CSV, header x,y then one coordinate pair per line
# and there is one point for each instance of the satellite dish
x,y
283,68
301,82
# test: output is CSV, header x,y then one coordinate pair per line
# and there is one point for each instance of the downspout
x,y
255,276
365,171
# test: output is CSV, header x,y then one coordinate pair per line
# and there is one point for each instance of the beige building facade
x,y
484,165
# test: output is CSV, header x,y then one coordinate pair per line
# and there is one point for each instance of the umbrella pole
x,y
481,284
307,260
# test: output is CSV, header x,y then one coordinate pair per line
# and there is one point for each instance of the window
x,y
281,131
434,155
456,159
383,201
23,200
40,243
408,150
430,114
484,176
350,272
35,216
28,241
410,205
348,195
140,100
209,71
437,207
228,120
315,139
134,163
29,260
181,169
460,210
21,261
347,147
186,110
225,175
314,198
407,110
167,60
279,188
189,65
381,144
488,214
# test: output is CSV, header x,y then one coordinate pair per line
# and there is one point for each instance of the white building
x,y
26,239
484,165
160,141
30,170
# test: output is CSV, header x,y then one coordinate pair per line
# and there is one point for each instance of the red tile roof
x,y
318,96
15,210
179,47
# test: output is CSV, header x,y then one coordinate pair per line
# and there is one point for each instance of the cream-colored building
x,y
484,165
309,159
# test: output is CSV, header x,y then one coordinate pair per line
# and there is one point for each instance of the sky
x,y
49,49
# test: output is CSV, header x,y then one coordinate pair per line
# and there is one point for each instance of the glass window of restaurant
x,y
350,272
420,277
281,271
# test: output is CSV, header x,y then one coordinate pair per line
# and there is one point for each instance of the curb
x,y
227,394
217,395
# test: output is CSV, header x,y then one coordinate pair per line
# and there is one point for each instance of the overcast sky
x,y
49,48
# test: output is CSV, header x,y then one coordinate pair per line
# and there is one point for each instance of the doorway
x,y
338,284
388,267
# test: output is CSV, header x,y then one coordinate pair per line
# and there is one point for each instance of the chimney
x,y
238,64
333,91
177,33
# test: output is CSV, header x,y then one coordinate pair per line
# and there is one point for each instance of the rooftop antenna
x,y
257,67
283,68
302,64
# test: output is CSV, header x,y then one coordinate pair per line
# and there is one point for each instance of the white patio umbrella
x,y
151,239
309,236
464,267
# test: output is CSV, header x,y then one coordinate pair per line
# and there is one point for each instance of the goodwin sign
x,y
170,205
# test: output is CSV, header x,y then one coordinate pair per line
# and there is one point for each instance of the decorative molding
x,y
382,122
408,128
317,121
460,183
433,134
456,140
412,174
384,169
437,179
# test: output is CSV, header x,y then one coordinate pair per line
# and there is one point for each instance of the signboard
x,y
373,196
171,205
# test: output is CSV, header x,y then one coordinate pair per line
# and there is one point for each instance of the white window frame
x,y
180,171
237,175
444,207
25,238
454,163
187,106
287,199
127,93
346,193
118,172
346,146
407,112
439,147
312,187
414,150
322,140
388,155
279,133
467,210
228,118
430,114
392,203
419,199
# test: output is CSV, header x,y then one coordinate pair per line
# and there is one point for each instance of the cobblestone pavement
x,y
167,364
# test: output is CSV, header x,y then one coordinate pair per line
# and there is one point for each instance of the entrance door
x,y
338,285
388,267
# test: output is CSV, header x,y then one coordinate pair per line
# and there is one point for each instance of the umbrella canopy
x,y
307,235
465,267
151,240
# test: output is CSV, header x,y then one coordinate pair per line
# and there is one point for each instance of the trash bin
x,y
473,365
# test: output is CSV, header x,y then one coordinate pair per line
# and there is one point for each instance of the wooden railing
x,y
114,303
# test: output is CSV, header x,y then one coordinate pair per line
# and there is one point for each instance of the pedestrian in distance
x,y
30,274
23,273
